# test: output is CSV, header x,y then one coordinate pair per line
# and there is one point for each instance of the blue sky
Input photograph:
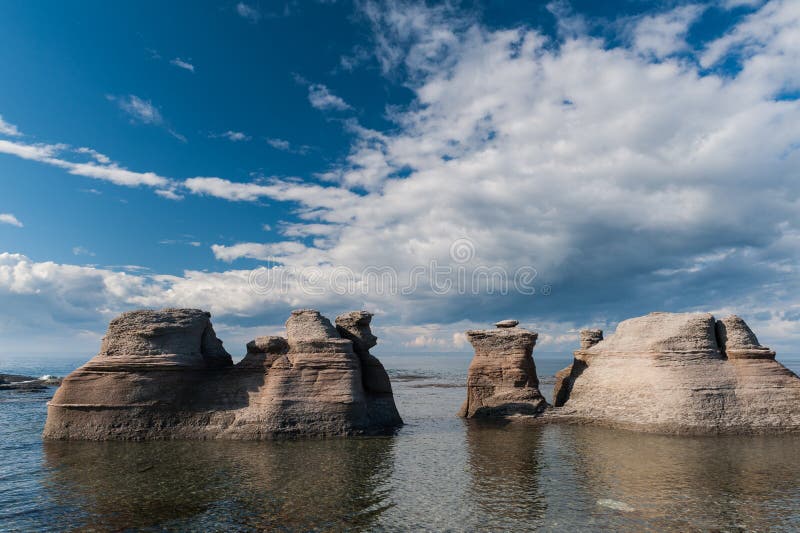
x,y
637,155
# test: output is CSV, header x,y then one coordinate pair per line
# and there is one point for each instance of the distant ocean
x,y
439,473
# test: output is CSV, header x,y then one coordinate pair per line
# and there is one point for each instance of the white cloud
x,y
8,218
286,146
169,194
180,63
81,250
322,98
234,136
732,4
144,112
630,185
665,33
8,129
49,154
309,195
94,154
248,12
594,164
138,109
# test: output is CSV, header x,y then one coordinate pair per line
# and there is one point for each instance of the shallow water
x,y
439,473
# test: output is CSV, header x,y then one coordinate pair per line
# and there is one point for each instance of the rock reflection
x,y
322,484
505,467
681,483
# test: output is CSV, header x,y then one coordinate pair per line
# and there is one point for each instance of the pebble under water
x,y
438,473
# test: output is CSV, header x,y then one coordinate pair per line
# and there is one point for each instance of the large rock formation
x,y
377,387
164,374
679,373
502,377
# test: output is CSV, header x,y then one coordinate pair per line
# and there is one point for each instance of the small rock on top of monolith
x,y
507,323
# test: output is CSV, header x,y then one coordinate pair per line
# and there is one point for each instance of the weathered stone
x,y
668,373
309,325
737,341
263,351
355,326
507,324
590,337
502,380
566,377
164,374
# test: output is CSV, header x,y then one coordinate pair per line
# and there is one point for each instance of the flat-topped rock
x,y
309,325
502,379
164,375
506,324
181,337
680,373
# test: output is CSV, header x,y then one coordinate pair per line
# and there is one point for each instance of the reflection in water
x,y
686,483
439,473
505,470
222,485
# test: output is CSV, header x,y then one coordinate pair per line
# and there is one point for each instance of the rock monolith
x,y
502,380
682,373
165,375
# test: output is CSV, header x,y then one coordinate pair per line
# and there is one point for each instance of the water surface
x,y
439,473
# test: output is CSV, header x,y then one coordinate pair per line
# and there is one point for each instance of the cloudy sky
x,y
568,164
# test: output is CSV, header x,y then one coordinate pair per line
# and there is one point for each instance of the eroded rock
x,y
355,326
680,373
502,380
164,374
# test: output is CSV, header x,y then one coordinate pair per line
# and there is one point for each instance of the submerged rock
x,y
680,373
165,374
502,377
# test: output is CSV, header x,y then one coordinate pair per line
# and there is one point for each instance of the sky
x,y
443,165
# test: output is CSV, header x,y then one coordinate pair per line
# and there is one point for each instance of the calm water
x,y
439,473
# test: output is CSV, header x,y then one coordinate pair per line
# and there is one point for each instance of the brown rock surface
x,y
680,373
381,408
164,374
502,377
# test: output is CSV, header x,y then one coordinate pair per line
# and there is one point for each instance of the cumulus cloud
x,y
8,218
285,146
631,178
322,98
629,184
665,33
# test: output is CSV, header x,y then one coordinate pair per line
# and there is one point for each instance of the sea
x,y
437,473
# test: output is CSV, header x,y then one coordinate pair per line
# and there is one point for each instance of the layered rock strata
x,y
502,379
165,374
679,373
